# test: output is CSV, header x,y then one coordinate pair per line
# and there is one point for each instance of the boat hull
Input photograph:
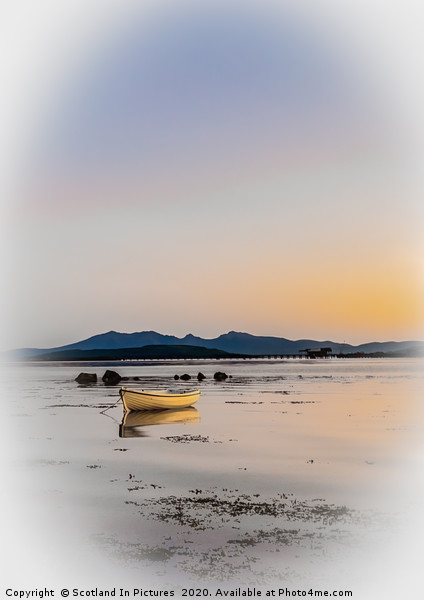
x,y
150,400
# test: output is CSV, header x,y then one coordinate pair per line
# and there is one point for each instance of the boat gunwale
x,y
158,394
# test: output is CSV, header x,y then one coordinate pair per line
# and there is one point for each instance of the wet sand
x,y
293,472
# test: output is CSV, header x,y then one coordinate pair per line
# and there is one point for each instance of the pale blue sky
x,y
207,169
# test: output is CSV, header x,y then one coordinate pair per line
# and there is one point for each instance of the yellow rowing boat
x,y
157,400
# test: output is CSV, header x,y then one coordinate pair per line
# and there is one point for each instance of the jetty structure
x,y
316,352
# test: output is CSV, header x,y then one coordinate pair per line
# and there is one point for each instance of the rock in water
x,y
185,377
176,377
86,378
200,376
111,378
220,376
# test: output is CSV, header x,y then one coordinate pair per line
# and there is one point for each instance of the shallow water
x,y
293,472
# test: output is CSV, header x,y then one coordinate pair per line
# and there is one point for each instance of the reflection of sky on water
x,y
344,435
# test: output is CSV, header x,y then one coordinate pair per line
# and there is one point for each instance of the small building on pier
x,y
317,352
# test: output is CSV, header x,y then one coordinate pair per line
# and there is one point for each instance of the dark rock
x,y
185,377
220,376
86,378
136,378
200,376
176,376
111,378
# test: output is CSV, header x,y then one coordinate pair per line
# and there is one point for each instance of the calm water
x,y
299,472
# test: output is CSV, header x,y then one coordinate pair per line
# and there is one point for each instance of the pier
x,y
308,353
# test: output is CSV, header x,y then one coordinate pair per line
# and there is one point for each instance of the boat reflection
x,y
134,421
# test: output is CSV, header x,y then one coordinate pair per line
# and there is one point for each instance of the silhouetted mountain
x,y
232,342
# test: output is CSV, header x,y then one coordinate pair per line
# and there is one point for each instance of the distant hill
x,y
232,342
146,352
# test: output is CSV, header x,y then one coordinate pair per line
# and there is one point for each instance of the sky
x,y
204,167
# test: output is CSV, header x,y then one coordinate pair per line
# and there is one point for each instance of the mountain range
x,y
232,342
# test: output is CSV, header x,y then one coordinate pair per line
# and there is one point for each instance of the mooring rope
x,y
112,405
